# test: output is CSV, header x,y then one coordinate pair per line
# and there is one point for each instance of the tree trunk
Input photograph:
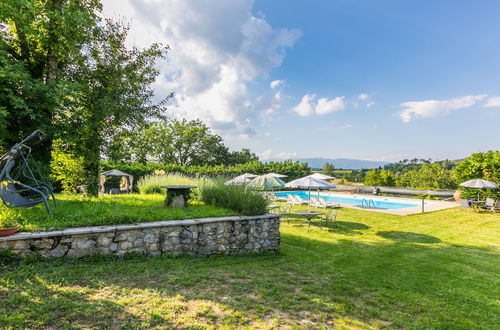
x,y
52,61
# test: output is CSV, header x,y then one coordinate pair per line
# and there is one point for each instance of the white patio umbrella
x,y
277,175
309,183
241,179
320,176
479,184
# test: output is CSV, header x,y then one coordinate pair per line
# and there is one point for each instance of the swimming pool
x,y
378,202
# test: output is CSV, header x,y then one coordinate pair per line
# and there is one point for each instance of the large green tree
x,y
39,40
67,72
186,143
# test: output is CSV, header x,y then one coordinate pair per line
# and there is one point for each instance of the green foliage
x,y
150,184
67,168
67,72
403,166
211,191
377,177
293,170
233,197
370,270
429,176
242,157
328,169
481,165
174,142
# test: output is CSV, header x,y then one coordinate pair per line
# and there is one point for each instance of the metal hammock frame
x,y
23,189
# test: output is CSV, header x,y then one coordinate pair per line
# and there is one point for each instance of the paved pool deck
x,y
429,206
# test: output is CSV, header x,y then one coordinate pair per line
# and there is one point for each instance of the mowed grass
x,y
75,211
434,270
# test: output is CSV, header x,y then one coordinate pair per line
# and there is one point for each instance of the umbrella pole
x,y
309,201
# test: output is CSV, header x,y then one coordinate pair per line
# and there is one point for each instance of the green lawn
x,y
436,270
74,211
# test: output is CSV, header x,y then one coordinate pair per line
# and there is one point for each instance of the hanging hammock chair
x,y
19,187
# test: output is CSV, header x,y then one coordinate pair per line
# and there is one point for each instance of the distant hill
x,y
344,163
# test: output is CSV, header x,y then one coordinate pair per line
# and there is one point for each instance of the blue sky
x,y
380,80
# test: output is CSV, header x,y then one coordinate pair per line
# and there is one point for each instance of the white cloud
x,y
218,49
276,83
492,102
435,108
363,96
307,106
370,104
325,106
286,155
265,154
268,154
346,126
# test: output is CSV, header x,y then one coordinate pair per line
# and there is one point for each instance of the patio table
x,y
309,215
177,196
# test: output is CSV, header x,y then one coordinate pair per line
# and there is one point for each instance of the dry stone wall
x,y
209,236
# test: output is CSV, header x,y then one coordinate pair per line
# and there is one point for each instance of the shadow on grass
x,y
404,236
323,282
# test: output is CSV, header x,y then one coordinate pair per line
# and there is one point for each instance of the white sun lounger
x,y
324,204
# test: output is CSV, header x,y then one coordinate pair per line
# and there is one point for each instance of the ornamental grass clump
x,y
232,197
150,184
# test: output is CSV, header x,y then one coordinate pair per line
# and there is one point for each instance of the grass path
x,y
435,270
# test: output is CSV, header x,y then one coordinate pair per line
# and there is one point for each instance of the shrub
x,y
481,165
379,178
150,184
67,168
232,197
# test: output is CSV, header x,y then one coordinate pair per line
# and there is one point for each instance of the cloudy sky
x,y
366,79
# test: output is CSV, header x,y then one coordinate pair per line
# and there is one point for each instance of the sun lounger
x,y
301,200
313,201
324,204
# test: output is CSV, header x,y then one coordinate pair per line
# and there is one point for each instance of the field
x,y
433,270
74,211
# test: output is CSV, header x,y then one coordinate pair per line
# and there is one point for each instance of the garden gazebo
x,y
126,182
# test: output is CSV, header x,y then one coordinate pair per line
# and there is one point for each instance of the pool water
x,y
379,202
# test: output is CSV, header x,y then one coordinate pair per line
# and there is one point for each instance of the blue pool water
x,y
379,202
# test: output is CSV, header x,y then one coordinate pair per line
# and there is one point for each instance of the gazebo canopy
x,y
115,172
126,183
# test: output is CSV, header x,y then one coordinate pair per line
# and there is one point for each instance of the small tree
x,y
481,165
328,169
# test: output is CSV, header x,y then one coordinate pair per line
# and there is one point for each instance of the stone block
x,y
84,243
186,234
150,238
113,247
125,245
42,244
59,251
